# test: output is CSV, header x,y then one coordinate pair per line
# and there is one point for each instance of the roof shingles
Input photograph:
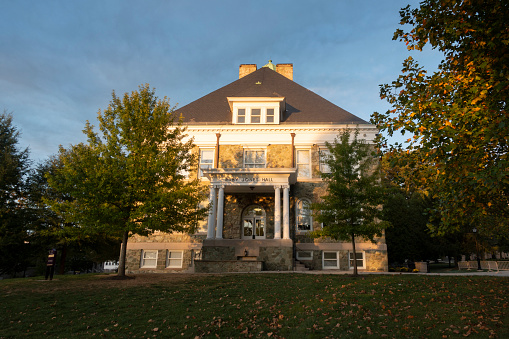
x,y
302,105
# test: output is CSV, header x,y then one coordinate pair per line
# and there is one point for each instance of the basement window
x,y
148,259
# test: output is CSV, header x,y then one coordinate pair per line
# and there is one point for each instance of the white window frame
x,y
273,115
336,267
248,115
304,258
254,149
324,167
299,164
298,213
259,115
237,115
146,262
200,172
174,262
350,266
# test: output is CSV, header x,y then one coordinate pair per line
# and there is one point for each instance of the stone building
x,y
260,140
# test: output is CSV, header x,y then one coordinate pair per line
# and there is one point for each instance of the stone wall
x,y
276,258
159,237
204,266
279,156
231,156
133,262
218,253
376,261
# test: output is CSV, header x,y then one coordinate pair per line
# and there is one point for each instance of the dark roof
x,y
302,105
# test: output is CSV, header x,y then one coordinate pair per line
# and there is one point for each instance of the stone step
x,y
300,267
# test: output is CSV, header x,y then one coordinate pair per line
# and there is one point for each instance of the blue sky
x,y
61,60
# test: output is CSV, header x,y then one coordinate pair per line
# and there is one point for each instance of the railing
x,y
485,265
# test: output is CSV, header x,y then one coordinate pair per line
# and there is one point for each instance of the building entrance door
x,y
253,223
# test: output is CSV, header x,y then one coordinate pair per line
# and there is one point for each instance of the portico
x,y
253,181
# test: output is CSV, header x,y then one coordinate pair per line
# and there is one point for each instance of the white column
x,y
220,210
286,212
277,212
212,213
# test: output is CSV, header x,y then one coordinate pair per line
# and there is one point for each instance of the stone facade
x,y
225,266
134,262
231,156
277,156
247,197
276,258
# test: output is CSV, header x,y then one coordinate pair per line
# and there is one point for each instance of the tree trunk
x,y
123,251
355,273
63,257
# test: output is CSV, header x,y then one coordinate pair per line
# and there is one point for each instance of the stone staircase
x,y
300,267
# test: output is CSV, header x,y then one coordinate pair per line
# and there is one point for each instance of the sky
x,y
60,61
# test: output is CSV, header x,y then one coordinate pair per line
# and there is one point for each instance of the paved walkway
x,y
504,273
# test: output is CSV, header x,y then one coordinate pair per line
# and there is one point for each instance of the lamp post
x,y
477,249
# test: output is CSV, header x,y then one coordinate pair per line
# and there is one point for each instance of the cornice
x,y
277,128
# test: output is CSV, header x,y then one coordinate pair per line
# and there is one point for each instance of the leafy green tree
x,y
457,116
50,230
352,206
14,166
130,179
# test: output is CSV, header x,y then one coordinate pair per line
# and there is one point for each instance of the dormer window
x,y
241,116
256,110
270,116
256,115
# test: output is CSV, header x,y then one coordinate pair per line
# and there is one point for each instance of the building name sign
x,y
247,179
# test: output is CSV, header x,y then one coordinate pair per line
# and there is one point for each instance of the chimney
x,y
246,69
286,70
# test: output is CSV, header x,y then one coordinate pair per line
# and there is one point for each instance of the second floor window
x,y
324,155
206,159
254,158
303,163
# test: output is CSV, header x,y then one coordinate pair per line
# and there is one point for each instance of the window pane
x,y
256,114
175,255
303,160
324,167
149,255
254,158
241,115
270,115
206,159
303,156
330,255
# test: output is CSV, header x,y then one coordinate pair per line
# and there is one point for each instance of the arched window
x,y
304,216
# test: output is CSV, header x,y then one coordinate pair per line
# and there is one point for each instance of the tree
x,y
352,206
50,230
14,166
457,116
130,179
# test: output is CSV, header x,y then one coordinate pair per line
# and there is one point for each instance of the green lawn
x,y
256,305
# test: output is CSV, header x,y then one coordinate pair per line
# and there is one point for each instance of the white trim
x,y
363,259
330,267
147,262
254,149
200,174
303,164
174,262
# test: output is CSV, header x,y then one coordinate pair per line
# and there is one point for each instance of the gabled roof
x,y
302,105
